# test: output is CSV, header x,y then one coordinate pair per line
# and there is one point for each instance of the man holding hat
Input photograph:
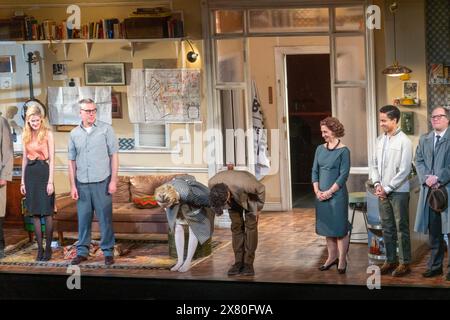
x,y
433,169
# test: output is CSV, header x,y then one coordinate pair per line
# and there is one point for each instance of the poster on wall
x,y
164,95
63,104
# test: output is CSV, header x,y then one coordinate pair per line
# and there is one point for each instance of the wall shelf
x,y
88,43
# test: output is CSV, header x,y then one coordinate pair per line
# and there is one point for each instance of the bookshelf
x,y
88,43
156,23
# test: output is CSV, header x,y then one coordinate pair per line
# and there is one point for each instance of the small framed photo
x,y
116,105
6,64
104,74
447,74
59,71
407,122
411,90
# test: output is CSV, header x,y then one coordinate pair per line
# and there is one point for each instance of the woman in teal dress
x,y
329,176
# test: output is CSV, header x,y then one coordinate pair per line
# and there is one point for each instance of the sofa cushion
x,y
142,186
122,212
123,190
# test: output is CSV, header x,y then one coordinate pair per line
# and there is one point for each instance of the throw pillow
x,y
147,202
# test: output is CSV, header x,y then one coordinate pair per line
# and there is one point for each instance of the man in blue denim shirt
x,y
93,166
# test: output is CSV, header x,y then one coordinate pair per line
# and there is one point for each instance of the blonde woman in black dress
x,y
37,177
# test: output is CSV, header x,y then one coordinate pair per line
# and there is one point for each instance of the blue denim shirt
x,y
92,151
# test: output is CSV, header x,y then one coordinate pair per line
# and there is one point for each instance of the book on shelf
x,y
157,22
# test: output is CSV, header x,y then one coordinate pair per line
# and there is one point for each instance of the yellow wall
x,y
410,28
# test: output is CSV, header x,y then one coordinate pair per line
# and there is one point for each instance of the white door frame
x,y
283,115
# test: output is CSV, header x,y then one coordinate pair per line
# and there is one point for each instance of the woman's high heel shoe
x,y
342,271
324,267
40,255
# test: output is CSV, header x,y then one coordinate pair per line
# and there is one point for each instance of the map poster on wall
x,y
63,104
164,95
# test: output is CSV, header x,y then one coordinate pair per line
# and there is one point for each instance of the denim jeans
x,y
95,197
394,213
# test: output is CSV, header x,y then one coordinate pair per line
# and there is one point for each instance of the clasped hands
x,y
432,182
380,193
324,195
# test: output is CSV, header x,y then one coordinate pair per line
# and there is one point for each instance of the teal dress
x,y
332,166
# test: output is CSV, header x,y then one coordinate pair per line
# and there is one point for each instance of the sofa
x,y
127,218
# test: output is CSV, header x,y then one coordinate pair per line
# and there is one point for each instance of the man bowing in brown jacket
x,y
243,196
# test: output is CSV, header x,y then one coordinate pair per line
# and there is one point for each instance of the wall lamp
x,y
191,55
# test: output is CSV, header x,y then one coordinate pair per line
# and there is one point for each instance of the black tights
x,y
48,232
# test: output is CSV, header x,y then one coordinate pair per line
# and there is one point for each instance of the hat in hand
x,y
438,199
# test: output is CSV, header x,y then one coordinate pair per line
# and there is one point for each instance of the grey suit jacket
x,y
424,160
6,150
246,190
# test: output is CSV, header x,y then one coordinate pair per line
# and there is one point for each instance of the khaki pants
x,y
2,201
244,232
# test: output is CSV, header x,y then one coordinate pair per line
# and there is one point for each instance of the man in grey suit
x,y
433,169
6,166
242,194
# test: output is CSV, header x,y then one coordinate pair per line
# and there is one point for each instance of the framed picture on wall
x,y
104,74
407,122
59,71
6,64
411,90
116,105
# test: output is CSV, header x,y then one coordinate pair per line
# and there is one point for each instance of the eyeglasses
x,y
438,117
92,111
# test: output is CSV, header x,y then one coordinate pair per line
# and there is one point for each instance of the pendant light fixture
x,y
395,70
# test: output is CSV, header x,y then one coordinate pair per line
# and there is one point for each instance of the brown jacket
x,y
248,192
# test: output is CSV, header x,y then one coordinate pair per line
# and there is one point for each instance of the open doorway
x,y
309,101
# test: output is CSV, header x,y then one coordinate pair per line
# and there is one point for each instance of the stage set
x,y
286,267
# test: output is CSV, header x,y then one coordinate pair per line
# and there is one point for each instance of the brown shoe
x,y
109,260
248,270
401,270
77,260
235,269
388,268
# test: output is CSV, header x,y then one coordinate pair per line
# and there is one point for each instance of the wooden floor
x,y
289,251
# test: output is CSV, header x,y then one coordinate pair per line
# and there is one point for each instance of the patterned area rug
x,y
129,254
